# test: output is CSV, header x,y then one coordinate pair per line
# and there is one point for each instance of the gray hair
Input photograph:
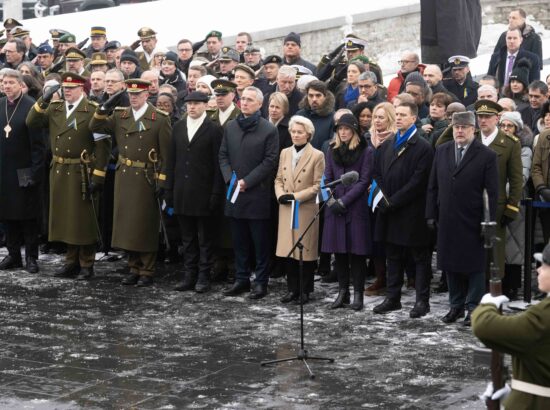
x,y
117,72
303,121
287,71
368,75
489,88
9,72
257,91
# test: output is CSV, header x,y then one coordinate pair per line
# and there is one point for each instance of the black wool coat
x,y
499,61
193,174
403,177
23,149
455,201
254,156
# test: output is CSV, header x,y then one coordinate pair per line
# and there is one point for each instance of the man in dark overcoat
x,y
142,135
195,188
250,151
401,169
71,218
22,156
462,170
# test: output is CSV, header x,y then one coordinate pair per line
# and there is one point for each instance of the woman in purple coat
x,y
347,221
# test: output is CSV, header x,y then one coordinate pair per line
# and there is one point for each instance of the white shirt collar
x,y
488,140
139,113
224,115
75,104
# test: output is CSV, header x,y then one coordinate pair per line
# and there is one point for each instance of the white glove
x,y
495,300
500,394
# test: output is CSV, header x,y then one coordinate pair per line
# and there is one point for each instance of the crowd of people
x,y
223,154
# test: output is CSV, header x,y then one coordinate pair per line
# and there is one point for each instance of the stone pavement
x,y
100,345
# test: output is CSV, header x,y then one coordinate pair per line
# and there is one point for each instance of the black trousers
x,y
251,238
349,264
292,270
197,237
397,257
23,232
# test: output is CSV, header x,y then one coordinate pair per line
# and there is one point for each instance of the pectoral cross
x,y
7,130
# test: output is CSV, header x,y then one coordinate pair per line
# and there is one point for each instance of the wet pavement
x,y
101,345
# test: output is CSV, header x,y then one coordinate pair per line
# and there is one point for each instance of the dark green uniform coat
x,y
71,218
136,216
527,338
215,116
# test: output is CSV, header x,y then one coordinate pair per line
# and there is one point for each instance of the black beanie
x,y
129,55
292,36
521,72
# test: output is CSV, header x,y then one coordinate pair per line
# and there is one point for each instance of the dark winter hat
x,y
416,78
196,96
292,36
464,118
129,55
521,72
349,121
273,59
171,56
112,45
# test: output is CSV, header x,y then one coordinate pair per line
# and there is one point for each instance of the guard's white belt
x,y
530,388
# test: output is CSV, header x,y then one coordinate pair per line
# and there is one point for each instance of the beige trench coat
x,y
304,182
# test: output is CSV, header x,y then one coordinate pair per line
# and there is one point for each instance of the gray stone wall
x,y
497,10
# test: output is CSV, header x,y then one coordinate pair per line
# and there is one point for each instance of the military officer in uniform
x,y
227,110
71,218
148,40
526,337
508,149
142,135
75,62
461,84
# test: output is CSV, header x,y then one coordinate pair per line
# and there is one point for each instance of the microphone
x,y
347,179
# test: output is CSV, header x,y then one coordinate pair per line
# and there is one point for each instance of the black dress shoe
x,y
67,271
237,289
305,299
144,281
341,300
388,305
468,318
131,280
289,297
453,315
31,266
420,309
11,262
203,283
85,273
442,287
259,291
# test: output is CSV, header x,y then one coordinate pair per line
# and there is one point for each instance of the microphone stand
x,y
303,354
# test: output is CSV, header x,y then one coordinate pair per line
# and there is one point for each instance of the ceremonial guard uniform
x,y
71,218
136,215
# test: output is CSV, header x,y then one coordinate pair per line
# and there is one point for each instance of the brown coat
x,y
541,157
304,183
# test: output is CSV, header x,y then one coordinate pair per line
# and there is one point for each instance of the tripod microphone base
x,y
304,357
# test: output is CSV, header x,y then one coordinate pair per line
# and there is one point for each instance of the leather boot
x,y
11,262
188,282
357,300
31,265
203,283
341,299
379,286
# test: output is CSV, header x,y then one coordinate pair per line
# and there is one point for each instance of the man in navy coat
x,y
461,171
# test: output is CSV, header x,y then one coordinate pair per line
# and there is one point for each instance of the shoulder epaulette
x,y
95,104
57,101
162,112
120,108
513,137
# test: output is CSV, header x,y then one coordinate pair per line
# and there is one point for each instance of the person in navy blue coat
x,y
401,169
454,207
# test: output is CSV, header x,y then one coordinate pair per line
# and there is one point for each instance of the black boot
x,y
203,283
357,300
11,262
341,299
188,282
86,273
31,266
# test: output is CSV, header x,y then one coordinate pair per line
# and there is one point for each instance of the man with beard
x,y
22,153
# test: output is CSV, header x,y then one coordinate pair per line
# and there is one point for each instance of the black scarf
x,y
248,123
344,156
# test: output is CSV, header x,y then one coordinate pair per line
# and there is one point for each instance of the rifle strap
x,y
530,388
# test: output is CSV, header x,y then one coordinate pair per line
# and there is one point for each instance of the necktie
x,y
71,107
509,68
459,154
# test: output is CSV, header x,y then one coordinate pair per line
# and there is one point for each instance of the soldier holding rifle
x,y
71,218
142,135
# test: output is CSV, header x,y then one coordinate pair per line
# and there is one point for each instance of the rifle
x,y
495,287
154,159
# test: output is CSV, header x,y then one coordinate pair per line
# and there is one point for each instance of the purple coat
x,y
351,232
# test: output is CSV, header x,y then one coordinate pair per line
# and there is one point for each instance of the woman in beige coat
x,y
298,178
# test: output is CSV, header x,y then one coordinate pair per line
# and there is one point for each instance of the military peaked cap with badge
x,y
10,23
215,33
74,53
487,107
72,80
145,33
98,31
251,48
67,38
223,87
57,33
352,43
458,61
137,85
19,32
99,59
273,59
229,54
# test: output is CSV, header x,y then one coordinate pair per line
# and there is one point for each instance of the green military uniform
x,y
215,116
136,215
71,217
145,33
527,338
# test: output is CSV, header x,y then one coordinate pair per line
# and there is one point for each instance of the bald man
x,y
433,76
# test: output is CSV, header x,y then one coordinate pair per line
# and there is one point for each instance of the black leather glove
x,y
544,194
285,199
82,43
94,188
135,44
337,206
57,66
48,95
341,73
111,103
505,220
432,224
336,51
159,193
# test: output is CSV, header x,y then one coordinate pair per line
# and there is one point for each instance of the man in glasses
x,y
409,62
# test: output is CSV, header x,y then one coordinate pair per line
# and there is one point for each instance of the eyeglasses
x,y
185,49
507,126
402,62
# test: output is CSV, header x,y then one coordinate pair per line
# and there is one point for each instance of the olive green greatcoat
x,y
71,218
526,337
136,220
510,182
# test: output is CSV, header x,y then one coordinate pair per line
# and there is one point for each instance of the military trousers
x,y
82,255
142,263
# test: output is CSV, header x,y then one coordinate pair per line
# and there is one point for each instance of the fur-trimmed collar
x,y
326,109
